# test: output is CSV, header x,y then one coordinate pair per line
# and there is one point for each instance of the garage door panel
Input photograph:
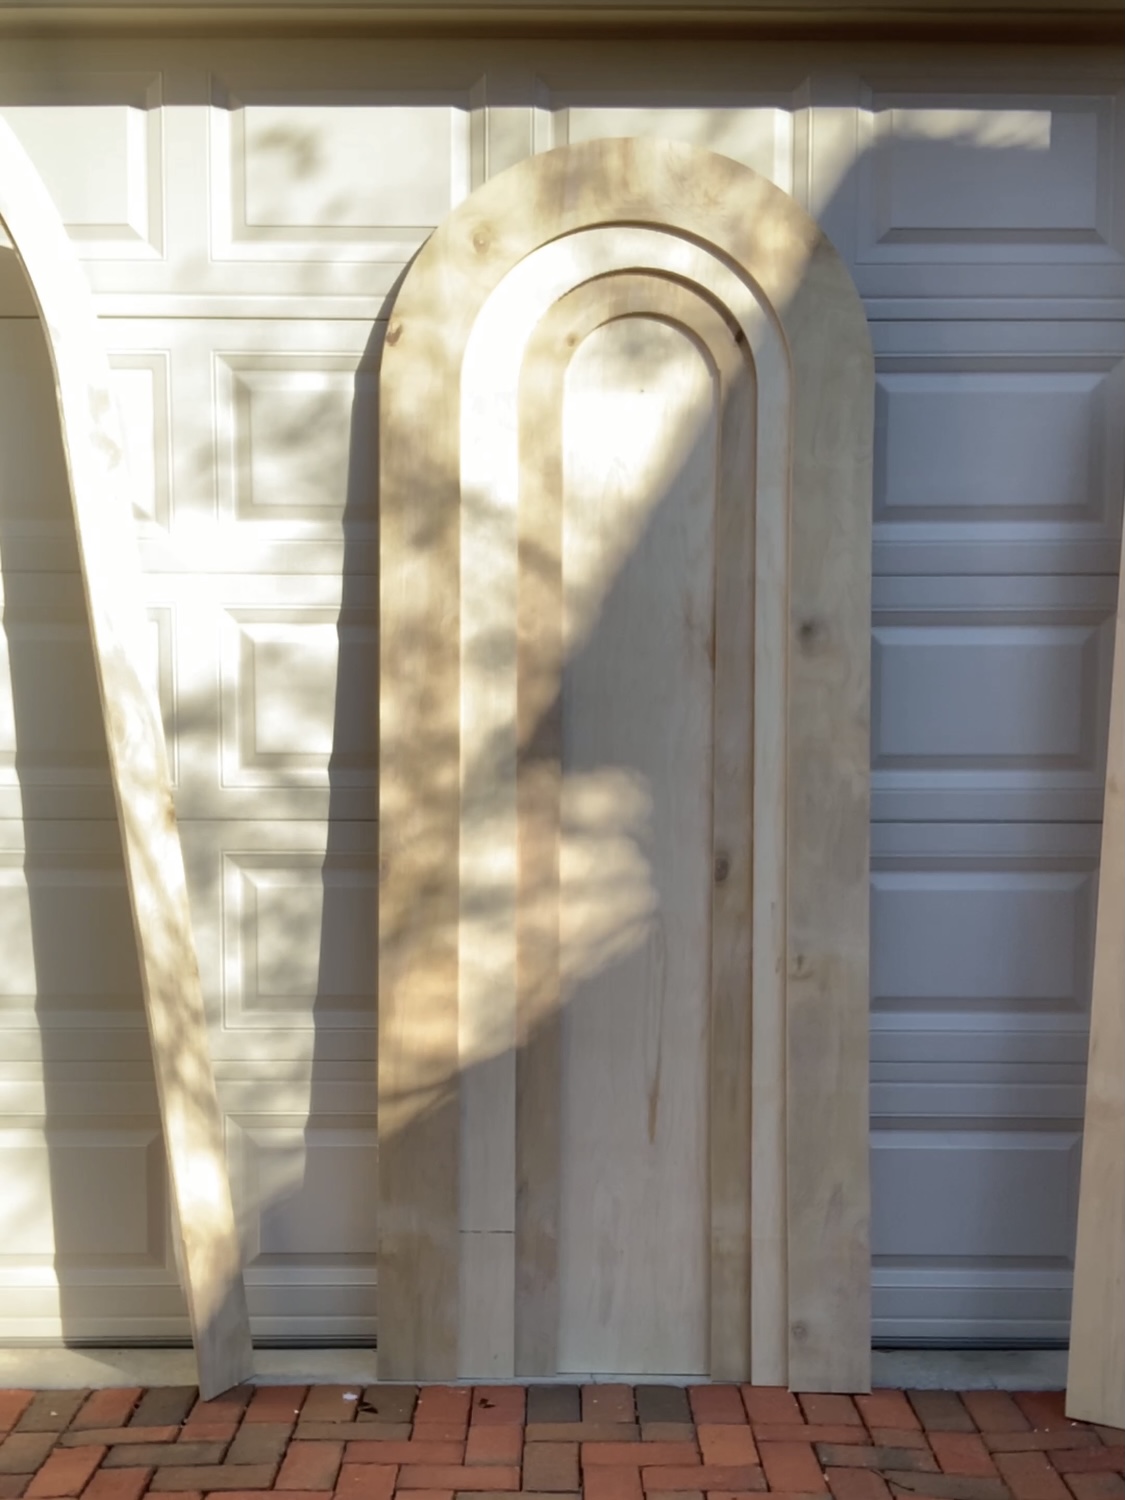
x,y
926,1303
998,447
989,698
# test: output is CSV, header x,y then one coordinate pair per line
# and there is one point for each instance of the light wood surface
x,y
1095,1390
208,1252
467,975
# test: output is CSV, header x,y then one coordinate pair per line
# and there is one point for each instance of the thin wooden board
x,y
203,1214
1095,1390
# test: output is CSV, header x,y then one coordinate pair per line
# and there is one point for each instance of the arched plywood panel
x,y
541,283
208,1252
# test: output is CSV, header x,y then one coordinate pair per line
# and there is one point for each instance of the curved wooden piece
x,y
1095,1382
466,838
208,1252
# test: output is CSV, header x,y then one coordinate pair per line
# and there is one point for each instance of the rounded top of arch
x,y
685,190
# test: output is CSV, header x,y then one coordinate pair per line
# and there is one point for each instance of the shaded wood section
x,y
208,1252
452,476
1095,1389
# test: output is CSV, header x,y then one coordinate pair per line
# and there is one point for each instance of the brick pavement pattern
x,y
597,1442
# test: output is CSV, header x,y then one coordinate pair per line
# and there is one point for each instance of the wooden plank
x,y
588,209
827,761
1095,1390
208,1251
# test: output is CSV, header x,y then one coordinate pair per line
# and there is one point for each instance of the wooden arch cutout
x,y
207,1249
625,488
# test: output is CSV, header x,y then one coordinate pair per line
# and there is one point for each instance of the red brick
x,y
359,1452
1110,1435
1037,1442
13,1404
117,1484
899,1437
638,1454
612,1482
258,1443
712,1404
231,1403
1030,1476
1043,1408
581,1432
209,1478
310,1466
456,1477
1089,1460
608,1403
671,1432
431,1495
946,1486
498,1405
770,1403
551,1466
210,1432
12,1486
853,1456
331,1403
727,1444
443,1403
830,1411
66,1472
106,1408
791,1466
708,1477
791,1432
366,1481
941,1411
887,1409
289,1494
674,1495
1097,1486
275,1403
421,1432
183,1494
24,1452
856,1484
488,1444
961,1453
994,1411
110,1436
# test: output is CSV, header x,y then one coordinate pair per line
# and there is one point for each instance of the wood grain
x,y
208,1252
461,325
1095,1389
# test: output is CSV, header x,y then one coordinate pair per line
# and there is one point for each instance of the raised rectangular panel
x,y
1006,441
141,385
959,176
96,139
67,936
973,938
339,174
304,1193
296,435
296,696
34,495
761,135
989,698
298,939
987,1195
89,1198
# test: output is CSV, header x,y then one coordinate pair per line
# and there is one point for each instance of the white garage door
x,y
243,211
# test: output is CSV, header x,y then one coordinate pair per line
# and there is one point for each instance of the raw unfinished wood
x,y
203,1216
457,484
1095,1390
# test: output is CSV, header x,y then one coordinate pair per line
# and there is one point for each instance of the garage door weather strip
x,y
208,1250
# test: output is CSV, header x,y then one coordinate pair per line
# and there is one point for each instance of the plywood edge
x,y
209,1253
1096,1369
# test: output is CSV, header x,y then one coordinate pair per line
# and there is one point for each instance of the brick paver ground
x,y
600,1442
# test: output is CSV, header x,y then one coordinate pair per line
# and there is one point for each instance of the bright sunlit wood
x,y
203,1216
